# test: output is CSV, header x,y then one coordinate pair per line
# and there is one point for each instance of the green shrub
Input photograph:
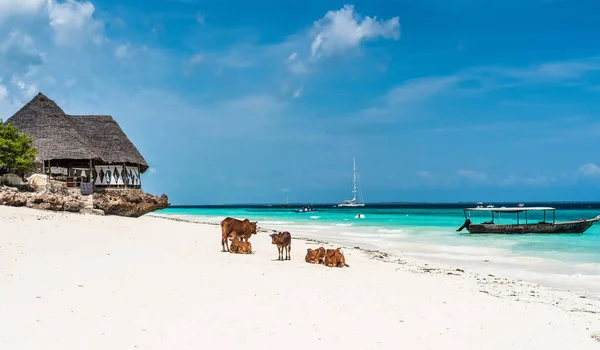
x,y
16,150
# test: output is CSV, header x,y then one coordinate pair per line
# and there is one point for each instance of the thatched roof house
x,y
91,148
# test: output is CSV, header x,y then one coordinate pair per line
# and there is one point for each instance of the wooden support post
x,y
43,166
126,174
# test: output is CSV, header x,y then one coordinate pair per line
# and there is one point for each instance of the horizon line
x,y
375,203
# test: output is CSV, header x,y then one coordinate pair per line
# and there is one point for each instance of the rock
x,y
46,201
92,212
56,187
56,197
73,203
12,197
38,182
11,180
130,203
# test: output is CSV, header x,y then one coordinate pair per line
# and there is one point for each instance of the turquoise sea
x,y
429,231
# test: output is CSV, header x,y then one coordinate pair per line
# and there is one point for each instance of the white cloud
x,y
344,29
122,51
27,90
298,92
419,89
72,21
472,175
513,180
3,92
424,174
589,170
196,59
19,54
552,70
295,65
125,51
20,7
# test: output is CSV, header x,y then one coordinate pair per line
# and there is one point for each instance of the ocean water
x,y
429,231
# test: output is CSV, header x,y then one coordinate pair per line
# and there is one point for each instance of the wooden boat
x,y
492,226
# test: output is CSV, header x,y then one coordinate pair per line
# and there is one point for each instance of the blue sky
x,y
238,102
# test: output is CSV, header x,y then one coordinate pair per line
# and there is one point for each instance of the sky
x,y
268,101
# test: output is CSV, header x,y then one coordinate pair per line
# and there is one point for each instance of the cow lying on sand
x,y
315,256
240,247
335,258
236,228
283,240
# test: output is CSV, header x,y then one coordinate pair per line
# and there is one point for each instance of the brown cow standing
x,y
315,256
335,258
240,247
283,240
234,227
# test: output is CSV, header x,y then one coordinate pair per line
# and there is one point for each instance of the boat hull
x,y
562,227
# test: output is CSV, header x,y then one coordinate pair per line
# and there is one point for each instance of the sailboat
x,y
352,202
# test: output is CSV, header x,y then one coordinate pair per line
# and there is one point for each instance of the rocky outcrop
x,y
54,198
12,197
38,182
130,203
11,180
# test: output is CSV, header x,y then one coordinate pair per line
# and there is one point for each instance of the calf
x,y
335,258
240,247
315,256
283,240
234,227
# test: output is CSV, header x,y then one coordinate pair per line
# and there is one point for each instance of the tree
x,y
16,150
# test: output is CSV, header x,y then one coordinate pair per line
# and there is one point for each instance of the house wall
x,y
117,175
103,175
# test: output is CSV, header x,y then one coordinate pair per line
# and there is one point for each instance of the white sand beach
x,y
72,281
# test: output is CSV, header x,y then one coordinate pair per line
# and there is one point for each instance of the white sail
x,y
352,202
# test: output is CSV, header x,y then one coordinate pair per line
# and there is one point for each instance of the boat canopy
x,y
510,210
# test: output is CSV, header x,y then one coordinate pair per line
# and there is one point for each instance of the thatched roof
x,y
61,136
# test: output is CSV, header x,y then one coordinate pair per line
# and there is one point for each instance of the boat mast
x,y
354,180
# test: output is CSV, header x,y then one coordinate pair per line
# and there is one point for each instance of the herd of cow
x,y
239,231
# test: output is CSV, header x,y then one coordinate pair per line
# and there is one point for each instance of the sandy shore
x,y
70,281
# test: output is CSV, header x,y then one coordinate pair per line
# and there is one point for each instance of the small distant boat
x,y
352,202
306,210
287,203
360,216
492,226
